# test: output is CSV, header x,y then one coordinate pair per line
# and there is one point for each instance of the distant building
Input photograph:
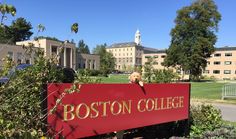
x,y
221,65
16,53
158,58
69,57
88,61
129,54
52,47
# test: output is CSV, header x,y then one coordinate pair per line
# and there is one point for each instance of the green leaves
x,y
75,27
41,28
193,37
7,9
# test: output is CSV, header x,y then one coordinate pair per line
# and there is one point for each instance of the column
x,y
71,58
64,56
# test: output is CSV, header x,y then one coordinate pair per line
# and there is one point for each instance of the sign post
x,y
103,108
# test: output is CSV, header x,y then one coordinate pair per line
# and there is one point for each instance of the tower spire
x,y
137,38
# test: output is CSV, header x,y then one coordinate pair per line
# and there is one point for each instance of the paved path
x,y
228,111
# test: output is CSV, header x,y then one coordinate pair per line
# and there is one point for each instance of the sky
x,y
116,21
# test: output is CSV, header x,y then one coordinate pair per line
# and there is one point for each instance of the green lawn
x,y
199,90
206,90
116,78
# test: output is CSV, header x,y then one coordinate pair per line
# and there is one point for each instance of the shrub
x,y
164,76
204,118
20,98
224,132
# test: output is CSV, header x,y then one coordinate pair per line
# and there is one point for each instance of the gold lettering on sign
x,y
104,107
93,109
126,107
148,107
66,112
112,108
181,102
139,107
77,111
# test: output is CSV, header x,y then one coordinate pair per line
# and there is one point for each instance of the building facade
x,y
15,52
65,53
221,65
88,61
128,55
67,58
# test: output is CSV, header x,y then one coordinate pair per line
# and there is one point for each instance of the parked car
x,y
5,79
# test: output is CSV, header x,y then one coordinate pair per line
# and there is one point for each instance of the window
x,y
216,71
208,62
163,56
147,56
27,61
127,54
216,62
217,55
10,55
228,62
119,49
187,72
228,54
131,49
156,56
131,54
155,63
178,71
115,49
227,71
124,49
19,58
127,49
206,71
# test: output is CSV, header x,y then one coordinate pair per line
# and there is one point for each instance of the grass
x,y
200,91
115,78
230,123
206,90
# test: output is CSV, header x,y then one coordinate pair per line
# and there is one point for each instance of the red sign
x,y
102,108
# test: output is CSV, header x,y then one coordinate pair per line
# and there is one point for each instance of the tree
x,y
19,30
193,37
6,9
83,48
107,61
148,70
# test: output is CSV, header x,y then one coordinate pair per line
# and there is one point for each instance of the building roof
x,y
225,48
133,44
125,44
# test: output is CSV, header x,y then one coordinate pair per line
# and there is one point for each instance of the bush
x,y
21,97
204,118
164,76
224,132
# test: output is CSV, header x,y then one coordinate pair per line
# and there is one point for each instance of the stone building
x,y
221,65
69,57
129,54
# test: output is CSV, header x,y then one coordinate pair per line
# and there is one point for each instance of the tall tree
x,y
83,48
193,37
107,61
19,30
6,9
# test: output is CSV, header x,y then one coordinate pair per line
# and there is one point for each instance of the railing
x,y
229,91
